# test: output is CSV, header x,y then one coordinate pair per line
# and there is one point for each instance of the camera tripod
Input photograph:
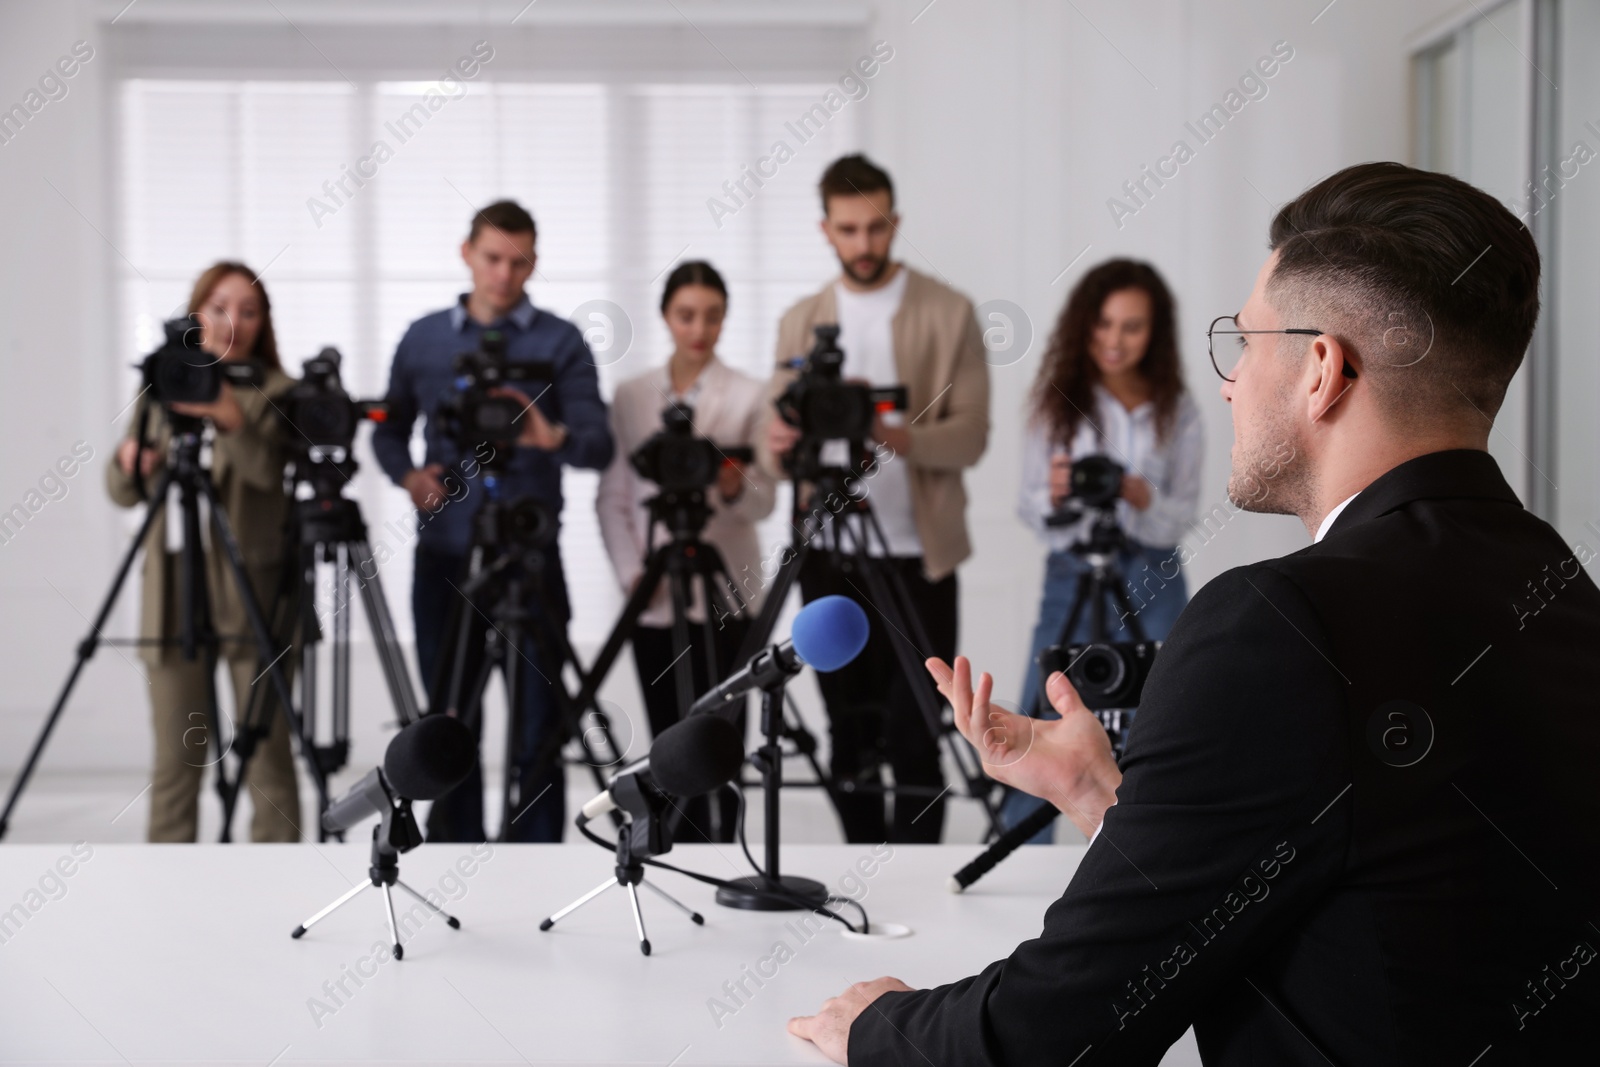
x,y
852,533
1101,584
197,637
508,557
327,529
683,559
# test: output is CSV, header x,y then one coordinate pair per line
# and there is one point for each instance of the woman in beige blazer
x,y
248,457
728,409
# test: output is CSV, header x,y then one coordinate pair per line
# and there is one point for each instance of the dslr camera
x,y
181,372
319,413
825,408
1096,483
471,414
680,461
1106,674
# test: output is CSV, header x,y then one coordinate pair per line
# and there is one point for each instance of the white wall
x,y
1007,125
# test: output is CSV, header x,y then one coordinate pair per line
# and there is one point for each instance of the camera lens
x,y
1100,670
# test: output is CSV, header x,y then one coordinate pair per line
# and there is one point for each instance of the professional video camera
x,y
824,408
522,522
472,413
318,411
181,372
677,459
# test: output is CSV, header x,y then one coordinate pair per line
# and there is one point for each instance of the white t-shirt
x,y
867,337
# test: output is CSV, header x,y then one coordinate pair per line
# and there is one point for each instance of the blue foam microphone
x,y
828,633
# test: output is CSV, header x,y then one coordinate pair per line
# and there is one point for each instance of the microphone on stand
x,y
690,757
424,761
826,634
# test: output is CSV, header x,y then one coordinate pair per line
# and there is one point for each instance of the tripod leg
x,y
682,665
250,731
394,932
909,640
576,904
695,916
300,930
455,923
637,601
87,646
258,627
638,918
510,655
383,633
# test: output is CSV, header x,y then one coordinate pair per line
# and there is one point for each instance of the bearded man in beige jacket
x,y
897,327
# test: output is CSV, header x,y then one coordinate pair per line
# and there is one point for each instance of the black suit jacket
x,y
1358,823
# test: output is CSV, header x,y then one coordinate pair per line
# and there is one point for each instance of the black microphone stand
x,y
395,833
643,835
772,890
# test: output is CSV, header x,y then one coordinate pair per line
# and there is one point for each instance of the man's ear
x,y
1326,380
466,252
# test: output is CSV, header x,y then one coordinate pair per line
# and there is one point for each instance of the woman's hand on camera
x,y
224,412
1136,491
1060,479
148,458
1066,761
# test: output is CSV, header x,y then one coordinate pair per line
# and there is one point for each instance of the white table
x,y
182,954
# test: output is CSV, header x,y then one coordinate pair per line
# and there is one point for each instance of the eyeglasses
x,y
1213,333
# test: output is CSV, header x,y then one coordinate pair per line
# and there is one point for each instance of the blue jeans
x,y
1156,600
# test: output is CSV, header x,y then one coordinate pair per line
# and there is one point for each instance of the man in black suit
x,y
1356,821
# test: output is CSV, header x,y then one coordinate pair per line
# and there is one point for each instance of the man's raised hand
x,y
1066,761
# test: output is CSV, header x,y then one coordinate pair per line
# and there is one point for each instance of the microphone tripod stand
x,y
327,530
854,527
1101,583
197,636
640,837
397,832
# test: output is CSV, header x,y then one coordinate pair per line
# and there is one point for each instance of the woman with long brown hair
x,y
1111,384
248,456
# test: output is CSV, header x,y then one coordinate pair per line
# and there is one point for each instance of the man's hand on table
x,y
829,1028
1066,761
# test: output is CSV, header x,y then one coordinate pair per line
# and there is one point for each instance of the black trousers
x,y
653,656
436,603
873,715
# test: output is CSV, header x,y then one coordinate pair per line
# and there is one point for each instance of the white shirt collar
x,y
1327,520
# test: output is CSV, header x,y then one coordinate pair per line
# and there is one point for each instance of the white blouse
x,y
1129,437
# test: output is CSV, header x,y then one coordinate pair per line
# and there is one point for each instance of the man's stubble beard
x,y
1271,475
883,264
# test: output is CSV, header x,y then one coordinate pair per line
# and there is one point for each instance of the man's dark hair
x,y
507,216
1432,283
854,176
